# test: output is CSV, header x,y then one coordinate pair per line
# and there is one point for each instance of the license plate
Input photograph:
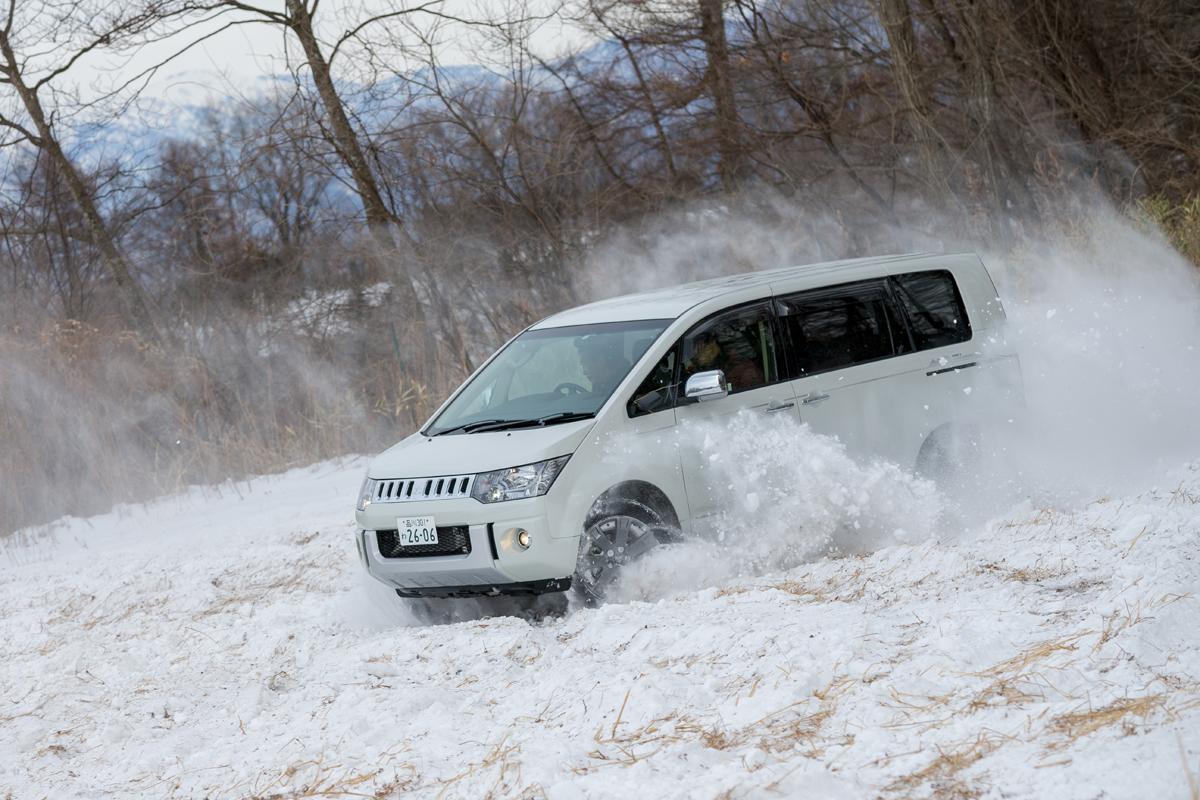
x,y
416,531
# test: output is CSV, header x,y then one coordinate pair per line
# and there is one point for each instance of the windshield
x,y
549,375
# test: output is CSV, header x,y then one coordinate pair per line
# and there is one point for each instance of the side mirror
x,y
707,385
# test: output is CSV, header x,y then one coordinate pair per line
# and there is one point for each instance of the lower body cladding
x,y
473,560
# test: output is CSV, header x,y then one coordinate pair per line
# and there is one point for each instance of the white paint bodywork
x,y
886,408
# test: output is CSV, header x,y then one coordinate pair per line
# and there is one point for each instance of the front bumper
x,y
523,589
495,560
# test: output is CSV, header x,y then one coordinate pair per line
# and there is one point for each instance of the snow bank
x,y
224,643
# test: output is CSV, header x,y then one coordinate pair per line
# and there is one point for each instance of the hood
x,y
420,456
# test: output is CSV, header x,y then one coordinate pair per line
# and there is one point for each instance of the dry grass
x,y
801,590
91,417
318,779
301,575
637,743
943,770
1179,222
502,759
796,727
846,586
1027,658
1035,574
1118,622
1184,496
1005,692
1075,725
1044,517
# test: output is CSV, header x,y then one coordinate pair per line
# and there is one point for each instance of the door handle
x,y
773,407
813,398
938,368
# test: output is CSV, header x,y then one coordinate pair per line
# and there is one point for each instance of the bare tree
x,y
792,55
602,13
75,31
43,230
720,85
299,18
896,18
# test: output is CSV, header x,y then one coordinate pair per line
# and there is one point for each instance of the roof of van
x,y
674,301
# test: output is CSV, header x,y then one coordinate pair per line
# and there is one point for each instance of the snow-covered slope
x,y
224,644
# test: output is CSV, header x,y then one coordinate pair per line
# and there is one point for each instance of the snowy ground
x,y
224,644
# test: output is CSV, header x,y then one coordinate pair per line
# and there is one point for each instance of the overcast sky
x,y
245,57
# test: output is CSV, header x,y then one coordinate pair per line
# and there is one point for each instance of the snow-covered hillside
x,y
224,644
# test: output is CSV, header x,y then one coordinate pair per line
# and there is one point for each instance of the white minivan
x,y
558,461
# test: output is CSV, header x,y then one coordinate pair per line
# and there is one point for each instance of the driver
x,y
708,354
602,362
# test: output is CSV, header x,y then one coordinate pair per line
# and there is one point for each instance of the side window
x,y
657,391
838,328
934,308
740,342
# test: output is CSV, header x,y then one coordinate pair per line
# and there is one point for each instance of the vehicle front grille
x,y
404,490
453,540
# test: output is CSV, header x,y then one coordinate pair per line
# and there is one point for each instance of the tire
x,y
620,532
951,456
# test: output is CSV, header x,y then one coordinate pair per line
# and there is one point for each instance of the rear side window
x,y
838,328
934,307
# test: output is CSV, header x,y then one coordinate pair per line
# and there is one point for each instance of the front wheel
x,y
622,533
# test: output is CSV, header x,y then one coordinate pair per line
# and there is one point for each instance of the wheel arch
x,y
640,493
949,446
933,440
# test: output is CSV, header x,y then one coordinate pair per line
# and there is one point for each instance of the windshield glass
x,y
549,375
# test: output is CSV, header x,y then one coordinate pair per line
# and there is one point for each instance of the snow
x,y
329,313
225,643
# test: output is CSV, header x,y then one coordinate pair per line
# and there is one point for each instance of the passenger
x,y
740,371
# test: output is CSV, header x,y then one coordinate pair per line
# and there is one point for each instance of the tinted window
x,y
934,308
657,391
741,343
837,328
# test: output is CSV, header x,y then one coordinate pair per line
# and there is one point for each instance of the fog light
x,y
523,539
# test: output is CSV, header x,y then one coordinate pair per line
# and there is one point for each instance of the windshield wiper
x,y
506,424
549,419
467,427
565,416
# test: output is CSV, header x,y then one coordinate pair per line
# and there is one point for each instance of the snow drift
x,y
225,643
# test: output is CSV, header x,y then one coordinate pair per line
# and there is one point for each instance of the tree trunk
x,y
379,217
896,18
132,297
651,108
720,86
345,140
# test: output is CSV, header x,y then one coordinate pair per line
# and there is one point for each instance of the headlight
x,y
365,494
516,483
